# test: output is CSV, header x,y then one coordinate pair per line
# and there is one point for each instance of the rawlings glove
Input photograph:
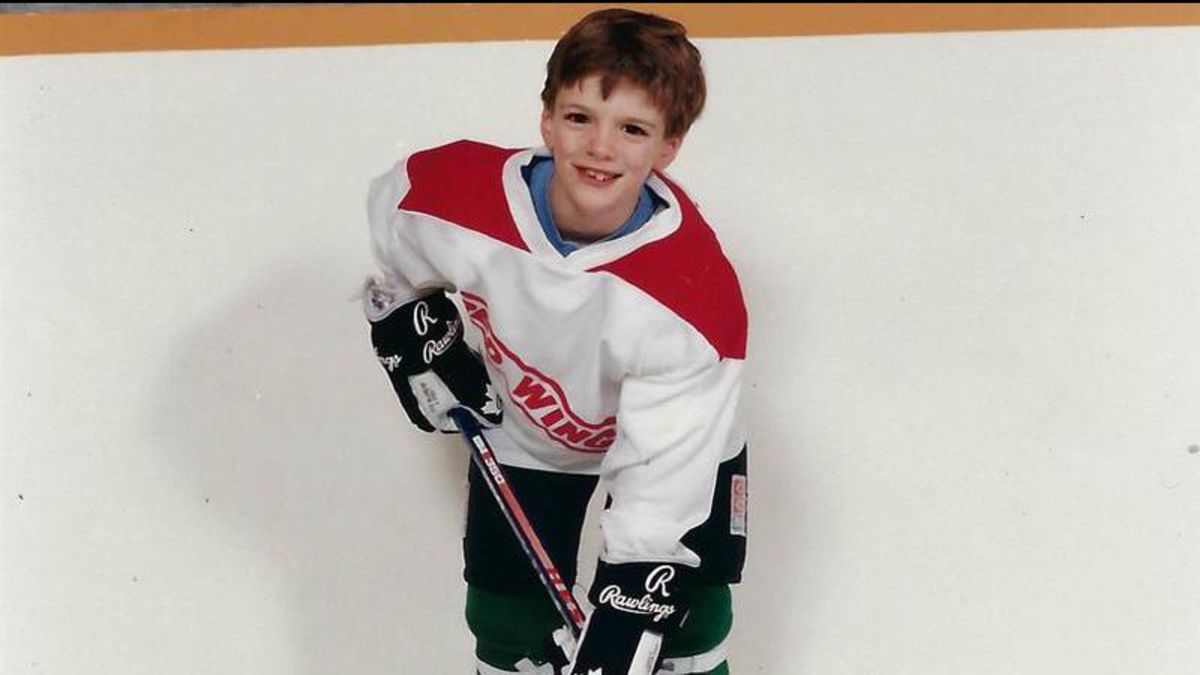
x,y
636,604
420,345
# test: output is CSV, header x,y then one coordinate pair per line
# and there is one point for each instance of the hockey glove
x,y
636,604
420,345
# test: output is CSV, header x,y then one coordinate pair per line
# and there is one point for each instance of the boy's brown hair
x,y
647,50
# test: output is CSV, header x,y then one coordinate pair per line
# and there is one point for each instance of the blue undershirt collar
x,y
538,174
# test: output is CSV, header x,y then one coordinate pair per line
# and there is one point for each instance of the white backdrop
x,y
971,266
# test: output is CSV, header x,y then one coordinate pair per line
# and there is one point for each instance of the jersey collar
x,y
660,225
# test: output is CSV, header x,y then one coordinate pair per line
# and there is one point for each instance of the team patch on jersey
x,y
738,498
538,396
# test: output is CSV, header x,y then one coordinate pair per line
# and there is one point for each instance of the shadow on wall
x,y
782,588
275,412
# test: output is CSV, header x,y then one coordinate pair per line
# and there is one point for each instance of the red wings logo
x,y
539,397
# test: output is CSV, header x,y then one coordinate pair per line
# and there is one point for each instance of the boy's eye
x,y
575,117
635,130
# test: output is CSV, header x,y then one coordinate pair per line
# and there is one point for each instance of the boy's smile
x,y
604,149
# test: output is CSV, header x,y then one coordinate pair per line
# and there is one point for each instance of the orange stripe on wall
x,y
341,25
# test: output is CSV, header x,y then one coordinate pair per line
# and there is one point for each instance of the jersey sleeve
x,y
399,254
674,429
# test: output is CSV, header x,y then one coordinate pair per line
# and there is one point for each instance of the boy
x,y
613,334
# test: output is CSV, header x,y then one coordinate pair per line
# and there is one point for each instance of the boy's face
x,y
604,149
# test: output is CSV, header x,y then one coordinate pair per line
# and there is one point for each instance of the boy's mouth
x,y
596,176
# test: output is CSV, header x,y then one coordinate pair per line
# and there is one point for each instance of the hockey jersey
x,y
623,359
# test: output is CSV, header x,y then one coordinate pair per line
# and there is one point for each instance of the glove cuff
x,y
650,594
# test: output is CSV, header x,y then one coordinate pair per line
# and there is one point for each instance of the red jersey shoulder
x,y
462,183
689,274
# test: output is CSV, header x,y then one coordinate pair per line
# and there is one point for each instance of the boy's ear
x,y
545,128
669,151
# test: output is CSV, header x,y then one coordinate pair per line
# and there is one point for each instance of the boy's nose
x,y
600,143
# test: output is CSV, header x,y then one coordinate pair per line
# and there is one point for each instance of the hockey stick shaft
x,y
506,499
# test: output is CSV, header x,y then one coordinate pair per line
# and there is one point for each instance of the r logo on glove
x,y
652,604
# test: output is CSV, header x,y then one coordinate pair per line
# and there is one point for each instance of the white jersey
x,y
623,359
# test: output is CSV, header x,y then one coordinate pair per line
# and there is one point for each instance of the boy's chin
x,y
605,203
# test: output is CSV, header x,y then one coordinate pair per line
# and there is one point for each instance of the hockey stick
x,y
506,499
